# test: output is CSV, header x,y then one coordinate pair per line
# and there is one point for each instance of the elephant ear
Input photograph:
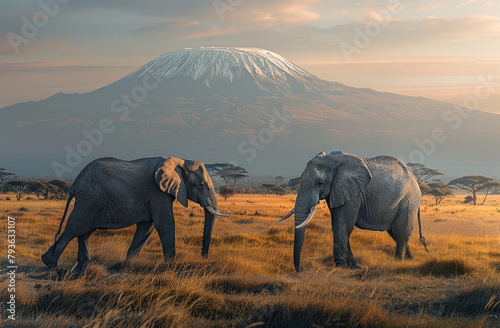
x,y
352,176
170,177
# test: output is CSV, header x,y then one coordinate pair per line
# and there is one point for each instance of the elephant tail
x,y
71,195
422,238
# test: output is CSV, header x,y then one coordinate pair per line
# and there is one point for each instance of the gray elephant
x,y
379,193
111,193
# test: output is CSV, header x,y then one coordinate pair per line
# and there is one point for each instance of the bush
x,y
468,199
227,191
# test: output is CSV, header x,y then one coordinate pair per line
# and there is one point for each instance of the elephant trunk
x,y
207,232
210,212
297,247
304,213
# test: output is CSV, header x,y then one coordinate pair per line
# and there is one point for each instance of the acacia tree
x,y
215,169
19,187
278,190
5,177
268,187
228,172
489,186
233,174
227,191
422,172
474,184
439,190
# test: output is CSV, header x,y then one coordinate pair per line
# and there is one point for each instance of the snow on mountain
x,y
215,65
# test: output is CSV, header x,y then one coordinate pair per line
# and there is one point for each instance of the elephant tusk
x,y
287,216
309,217
216,212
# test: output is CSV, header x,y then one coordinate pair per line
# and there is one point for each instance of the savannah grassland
x,y
249,280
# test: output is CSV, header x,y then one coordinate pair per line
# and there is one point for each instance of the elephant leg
x,y
144,230
343,219
401,230
408,254
79,224
51,257
83,254
163,220
402,247
351,262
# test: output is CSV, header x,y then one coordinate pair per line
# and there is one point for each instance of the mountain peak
x,y
214,66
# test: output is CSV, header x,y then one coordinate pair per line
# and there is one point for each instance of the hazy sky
x,y
439,49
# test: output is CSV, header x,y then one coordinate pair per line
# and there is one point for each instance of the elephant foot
x,y
347,265
49,261
298,270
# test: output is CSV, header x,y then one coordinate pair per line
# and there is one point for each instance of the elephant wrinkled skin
x,y
111,193
379,193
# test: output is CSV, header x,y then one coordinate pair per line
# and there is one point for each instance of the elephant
x,y
111,193
379,194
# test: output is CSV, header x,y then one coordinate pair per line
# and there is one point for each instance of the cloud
x,y
279,11
33,46
433,29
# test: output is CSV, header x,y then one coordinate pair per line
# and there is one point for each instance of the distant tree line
x,y
440,190
53,189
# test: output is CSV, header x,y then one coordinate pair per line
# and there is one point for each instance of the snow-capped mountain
x,y
216,66
243,105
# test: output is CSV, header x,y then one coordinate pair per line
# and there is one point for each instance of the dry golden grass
x,y
249,279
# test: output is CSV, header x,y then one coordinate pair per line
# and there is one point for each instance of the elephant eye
x,y
320,183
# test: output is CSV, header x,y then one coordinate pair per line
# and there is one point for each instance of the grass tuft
x,y
446,268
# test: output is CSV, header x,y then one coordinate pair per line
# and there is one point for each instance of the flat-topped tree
x,y
233,174
475,184
439,190
278,190
228,172
215,169
422,172
5,177
268,187
495,185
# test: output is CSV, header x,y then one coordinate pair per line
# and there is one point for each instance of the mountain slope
x,y
244,105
